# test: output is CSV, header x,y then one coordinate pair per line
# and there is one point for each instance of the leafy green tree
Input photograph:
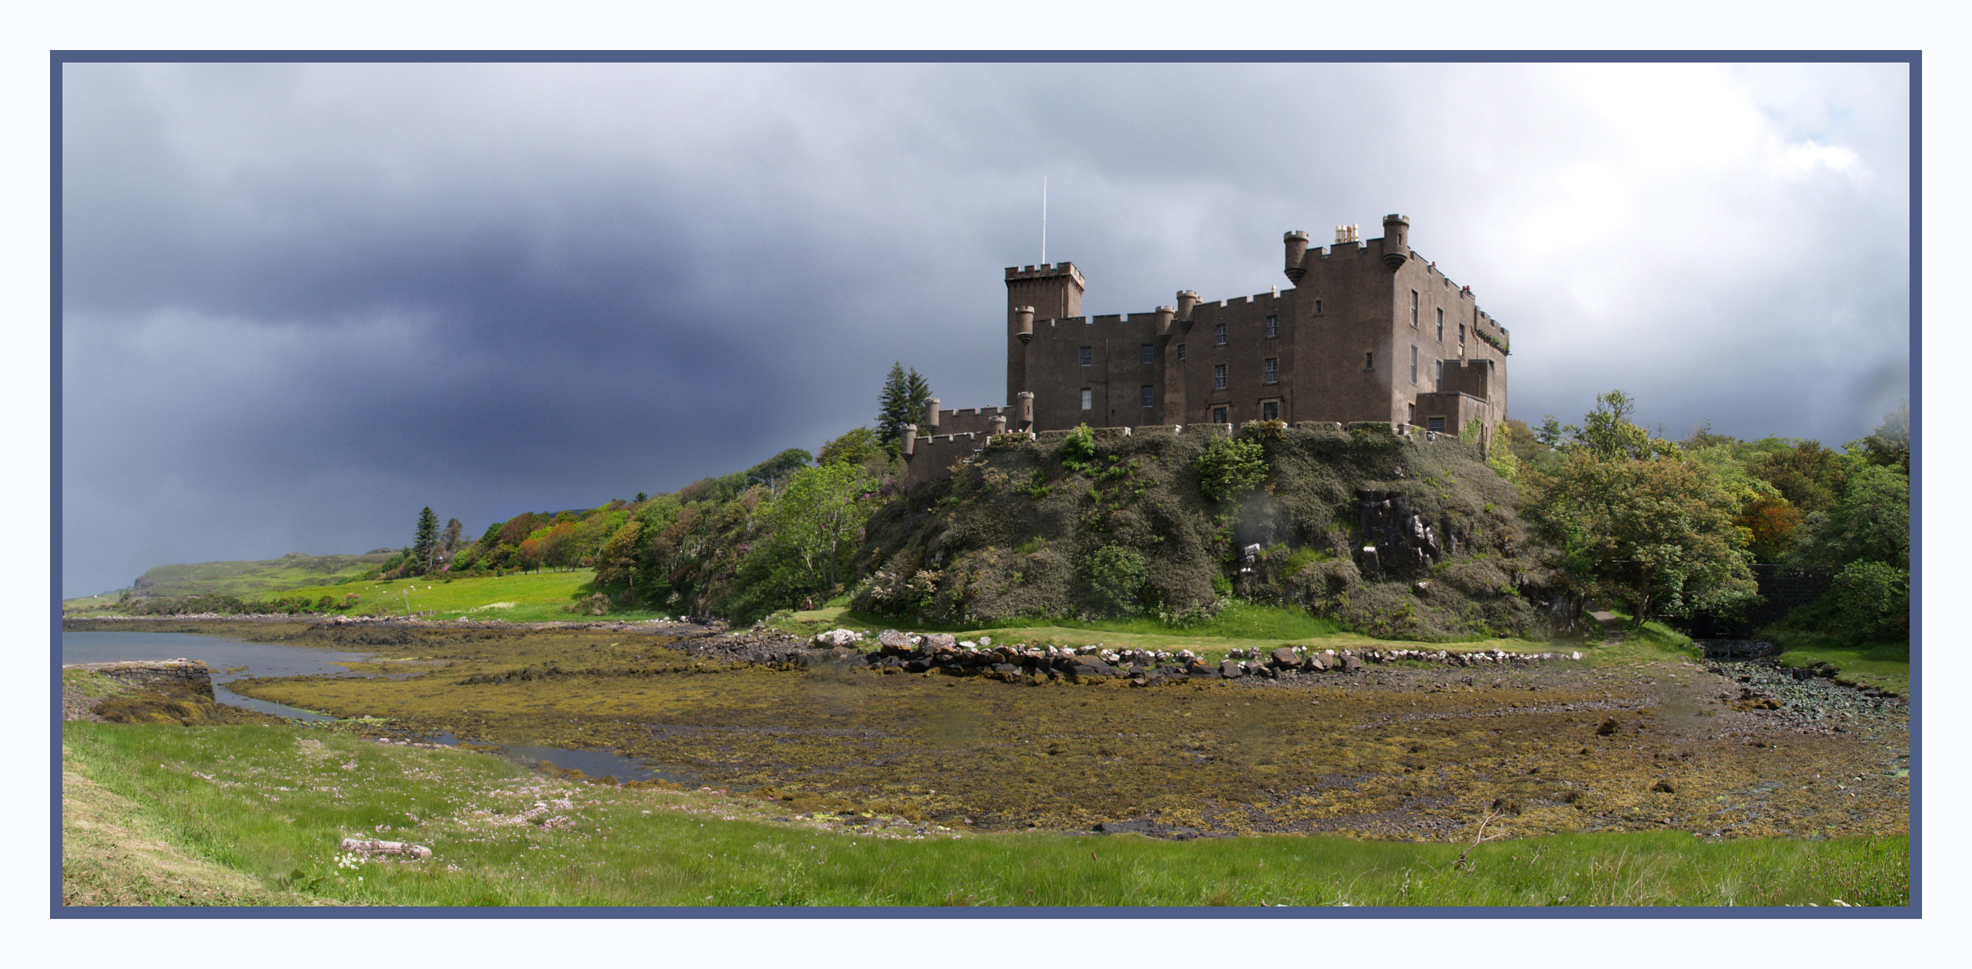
x,y
1889,445
425,546
807,536
1641,522
616,564
902,402
855,446
775,471
1872,523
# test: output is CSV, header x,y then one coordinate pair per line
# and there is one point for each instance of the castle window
x,y
1410,413
1088,399
1148,353
1413,365
1219,415
1270,410
1369,361
1088,357
1413,309
1218,334
1318,307
1273,370
1461,334
1144,397
1219,378
1441,324
1435,424
1181,353
1273,327
1441,373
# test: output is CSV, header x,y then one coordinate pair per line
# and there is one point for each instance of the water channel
x,y
232,659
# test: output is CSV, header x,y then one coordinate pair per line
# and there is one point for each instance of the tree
x,y
1889,444
856,446
775,470
807,537
1643,523
448,543
426,544
616,564
904,397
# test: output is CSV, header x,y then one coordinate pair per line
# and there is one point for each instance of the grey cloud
x,y
304,300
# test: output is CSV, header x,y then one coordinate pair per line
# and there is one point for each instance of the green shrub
x,y
1078,448
1230,468
1117,576
1870,601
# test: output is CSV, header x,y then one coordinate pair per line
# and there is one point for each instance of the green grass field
x,y
251,815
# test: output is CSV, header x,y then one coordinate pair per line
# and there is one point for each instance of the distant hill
x,y
251,578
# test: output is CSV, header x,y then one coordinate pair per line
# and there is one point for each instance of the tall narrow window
x,y
1144,397
1218,334
1410,413
1181,353
1088,399
1441,375
1369,361
1273,370
1273,327
1318,307
1413,309
1441,325
1461,334
1413,365
1218,376
1148,353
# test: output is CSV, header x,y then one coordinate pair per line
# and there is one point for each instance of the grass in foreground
x,y
1885,666
252,816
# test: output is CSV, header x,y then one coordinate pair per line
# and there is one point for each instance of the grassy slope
x,y
253,578
252,815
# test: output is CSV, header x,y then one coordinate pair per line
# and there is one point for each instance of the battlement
x,y
1047,271
933,457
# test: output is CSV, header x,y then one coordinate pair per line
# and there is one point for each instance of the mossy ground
x,y
238,815
1419,753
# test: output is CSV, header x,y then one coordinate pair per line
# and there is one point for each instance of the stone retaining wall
x,y
169,674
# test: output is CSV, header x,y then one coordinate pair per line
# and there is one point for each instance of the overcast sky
x,y
300,302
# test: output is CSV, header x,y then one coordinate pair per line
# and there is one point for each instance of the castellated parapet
x,y
1368,331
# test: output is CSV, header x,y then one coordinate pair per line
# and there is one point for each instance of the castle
x,y
1367,331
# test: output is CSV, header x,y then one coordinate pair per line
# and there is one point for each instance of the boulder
x,y
1285,657
1231,669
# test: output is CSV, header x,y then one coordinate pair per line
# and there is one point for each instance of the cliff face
x,y
1395,536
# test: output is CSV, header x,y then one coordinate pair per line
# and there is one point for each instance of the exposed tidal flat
x,y
1398,753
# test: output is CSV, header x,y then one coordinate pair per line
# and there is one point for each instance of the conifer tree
x,y
426,543
905,394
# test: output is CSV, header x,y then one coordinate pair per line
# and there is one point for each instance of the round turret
x,y
998,425
1026,409
1297,250
1396,240
931,414
910,440
1164,316
1023,324
1187,298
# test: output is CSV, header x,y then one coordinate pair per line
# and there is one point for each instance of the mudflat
x,y
1400,751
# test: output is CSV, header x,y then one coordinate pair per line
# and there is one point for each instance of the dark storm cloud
x,y
303,301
